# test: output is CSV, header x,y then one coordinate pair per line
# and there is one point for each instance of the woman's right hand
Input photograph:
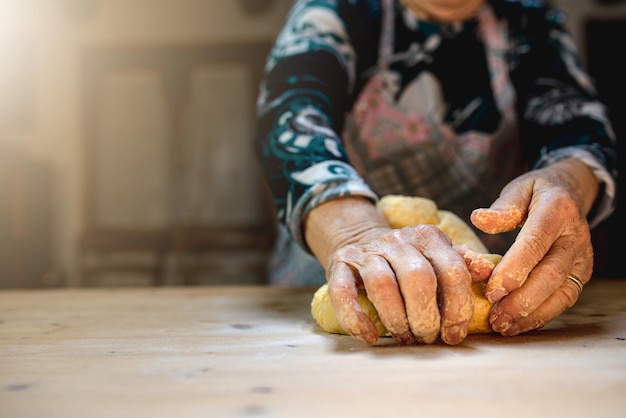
x,y
417,280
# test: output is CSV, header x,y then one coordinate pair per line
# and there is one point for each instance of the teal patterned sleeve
x,y
306,91
560,114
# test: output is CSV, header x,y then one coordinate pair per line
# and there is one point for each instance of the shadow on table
x,y
575,335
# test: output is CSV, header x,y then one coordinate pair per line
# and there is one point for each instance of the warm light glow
x,y
20,27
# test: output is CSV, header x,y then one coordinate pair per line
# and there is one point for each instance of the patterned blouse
x,y
359,97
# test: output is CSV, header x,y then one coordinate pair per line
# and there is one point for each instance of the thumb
x,y
505,214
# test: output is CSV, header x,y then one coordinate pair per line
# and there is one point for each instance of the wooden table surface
x,y
256,352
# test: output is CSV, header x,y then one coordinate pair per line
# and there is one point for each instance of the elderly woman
x,y
481,106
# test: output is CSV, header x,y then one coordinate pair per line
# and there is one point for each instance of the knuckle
x,y
337,289
428,234
568,296
554,271
394,236
535,244
349,252
429,231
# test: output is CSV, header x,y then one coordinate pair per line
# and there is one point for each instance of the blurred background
x,y
126,129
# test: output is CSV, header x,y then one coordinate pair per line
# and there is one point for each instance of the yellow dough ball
x,y
460,232
324,314
401,211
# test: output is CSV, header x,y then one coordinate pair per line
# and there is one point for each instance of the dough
x,y
401,211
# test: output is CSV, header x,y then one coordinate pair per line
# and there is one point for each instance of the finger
x,y
531,245
496,221
563,298
542,282
343,292
507,212
523,302
541,230
418,285
454,284
384,293
479,266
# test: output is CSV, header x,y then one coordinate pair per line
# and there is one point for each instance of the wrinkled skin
x,y
401,271
420,284
528,284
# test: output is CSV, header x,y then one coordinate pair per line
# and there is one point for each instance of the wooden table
x,y
256,352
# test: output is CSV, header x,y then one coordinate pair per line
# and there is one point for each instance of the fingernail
x,y
454,335
502,323
495,295
367,338
514,329
406,338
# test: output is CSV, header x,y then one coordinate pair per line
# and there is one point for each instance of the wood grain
x,y
256,351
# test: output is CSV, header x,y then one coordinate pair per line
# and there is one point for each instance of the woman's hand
x,y
530,284
418,282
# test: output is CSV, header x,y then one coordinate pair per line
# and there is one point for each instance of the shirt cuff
x,y
605,202
344,182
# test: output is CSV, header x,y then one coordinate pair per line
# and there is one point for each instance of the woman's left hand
x,y
530,285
